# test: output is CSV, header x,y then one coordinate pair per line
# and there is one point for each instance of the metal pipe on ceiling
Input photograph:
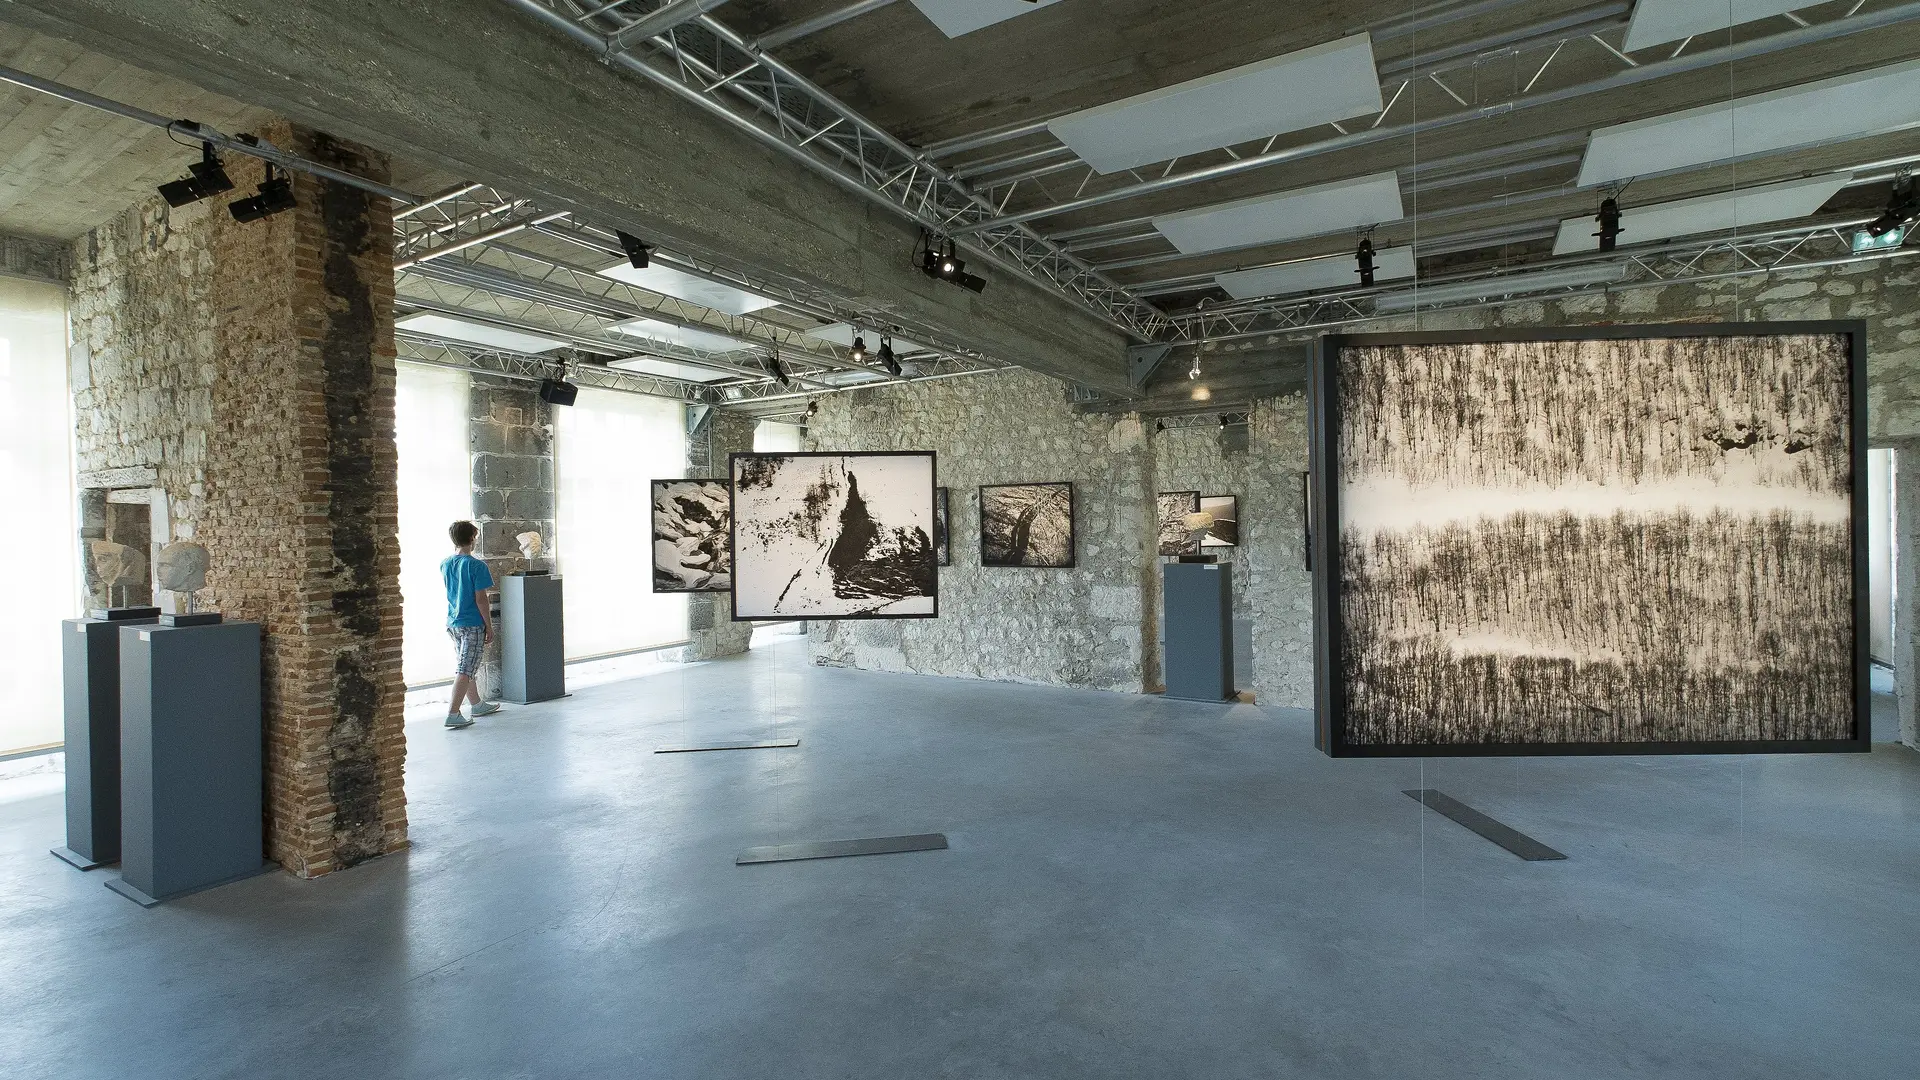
x,y
1727,54
807,27
1580,23
202,133
662,19
1436,15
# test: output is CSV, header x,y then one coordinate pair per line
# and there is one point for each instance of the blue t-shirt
x,y
464,575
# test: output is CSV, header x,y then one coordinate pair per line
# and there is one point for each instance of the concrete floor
x,y
1136,888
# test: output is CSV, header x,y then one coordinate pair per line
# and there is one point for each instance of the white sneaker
x,y
455,720
485,709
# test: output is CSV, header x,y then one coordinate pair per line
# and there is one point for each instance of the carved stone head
x,y
116,564
183,567
530,545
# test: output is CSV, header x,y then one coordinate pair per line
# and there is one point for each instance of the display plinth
x,y
190,747
1198,601
532,639
90,677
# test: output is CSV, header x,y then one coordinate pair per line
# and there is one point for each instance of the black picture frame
x,y
733,536
942,528
1306,520
1073,526
1324,502
653,567
1210,540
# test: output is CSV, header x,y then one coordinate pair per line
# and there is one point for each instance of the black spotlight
x,y
943,261
1609,219
558,392
780,373
637,249
204,177
971,282
1363,255
887,359
274,194
859,349
1903,206
950,265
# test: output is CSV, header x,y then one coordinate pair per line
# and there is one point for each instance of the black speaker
x,y
558,392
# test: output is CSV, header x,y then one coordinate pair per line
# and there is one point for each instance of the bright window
x,y
36,472
606,448
774,437
436,490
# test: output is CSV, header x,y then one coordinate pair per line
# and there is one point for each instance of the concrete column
x,y
248,368
1906,609
711,631
510,444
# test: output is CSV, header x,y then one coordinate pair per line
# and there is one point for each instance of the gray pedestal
x,y
1198,600
90,670
532,640
190,749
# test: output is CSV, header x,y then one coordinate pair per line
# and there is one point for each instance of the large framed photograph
x,y
1640,539
1174,506
834,536
1027,525
1224,531
692,536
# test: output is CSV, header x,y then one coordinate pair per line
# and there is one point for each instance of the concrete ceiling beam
x,y
474,88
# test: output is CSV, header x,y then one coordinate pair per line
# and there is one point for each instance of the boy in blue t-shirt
x,y
469,620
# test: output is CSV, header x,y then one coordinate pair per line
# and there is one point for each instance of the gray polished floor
x,y
1135,888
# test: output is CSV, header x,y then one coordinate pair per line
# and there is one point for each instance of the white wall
x,y
436,490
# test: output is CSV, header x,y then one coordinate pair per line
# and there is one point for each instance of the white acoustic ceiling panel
x,y
1865,103
667,281
1289,215
842,334
682,336
1658,21
1315,275
452,329
1707,213
957,17
1334,81
649,365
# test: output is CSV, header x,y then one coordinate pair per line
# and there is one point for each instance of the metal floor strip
x,y
840,849
1512,839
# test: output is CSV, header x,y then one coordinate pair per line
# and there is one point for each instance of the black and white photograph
x,y
1176,538
834,536
692,541
1027,525
1223,524
1628,540
942,537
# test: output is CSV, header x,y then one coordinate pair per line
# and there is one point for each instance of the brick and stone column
x,y
250,368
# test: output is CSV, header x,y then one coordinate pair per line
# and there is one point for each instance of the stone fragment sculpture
x,y
182,567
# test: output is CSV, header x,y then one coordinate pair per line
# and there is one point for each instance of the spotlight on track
x,y
1363,259
204,178
859,349
887,359
780,373
274,194
1609,220
1902,206
941,260
558,391
637,249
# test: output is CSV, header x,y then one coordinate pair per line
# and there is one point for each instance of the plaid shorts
x,y
468,643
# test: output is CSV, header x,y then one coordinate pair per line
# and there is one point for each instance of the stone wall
x,y
510,450
248,370
1092,625
711,631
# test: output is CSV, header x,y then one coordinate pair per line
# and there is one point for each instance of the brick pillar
x,y
711,631
510,441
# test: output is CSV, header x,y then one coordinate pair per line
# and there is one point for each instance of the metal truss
x,y
521,367
714,67
1825,245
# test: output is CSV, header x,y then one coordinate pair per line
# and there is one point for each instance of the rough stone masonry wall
x,y
251,367
1092,625
711,631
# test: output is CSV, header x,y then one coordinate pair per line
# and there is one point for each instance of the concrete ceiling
x,y
902,72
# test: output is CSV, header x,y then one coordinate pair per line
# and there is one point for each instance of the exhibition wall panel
x,y
1635,539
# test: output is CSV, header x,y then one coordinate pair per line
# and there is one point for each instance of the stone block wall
x,y
250,368
510,451
711,631
1092,625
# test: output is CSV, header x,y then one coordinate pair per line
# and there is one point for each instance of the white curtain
x,y
606,448
436,490
773,437
36,472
